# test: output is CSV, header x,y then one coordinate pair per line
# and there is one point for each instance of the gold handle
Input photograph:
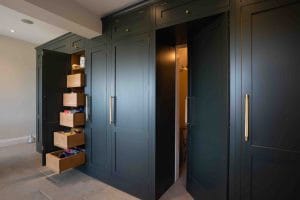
x,y
110,110
87,108
186,111
247,117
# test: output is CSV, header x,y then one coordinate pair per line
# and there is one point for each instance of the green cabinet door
x,y
53,80
130,115
96,127
269,143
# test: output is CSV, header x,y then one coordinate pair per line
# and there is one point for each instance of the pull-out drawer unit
x,y
65,141
72,119
61,164
74,99
75,80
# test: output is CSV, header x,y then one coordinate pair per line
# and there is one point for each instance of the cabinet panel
x,y
53,78
98,141
270,100
174,12
59,46
137,21
130,138
76,44
39,100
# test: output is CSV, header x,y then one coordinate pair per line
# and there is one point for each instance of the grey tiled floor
x,y
22,178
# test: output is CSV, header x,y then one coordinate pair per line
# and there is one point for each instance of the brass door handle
x,y
247,99
186,111
87,108
111,109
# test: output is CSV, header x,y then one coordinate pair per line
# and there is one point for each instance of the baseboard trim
x,y
13,141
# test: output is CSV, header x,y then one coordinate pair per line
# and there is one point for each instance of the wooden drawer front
x,y
175,12
58,165
68,141
72,120
75,80
133,22
74,99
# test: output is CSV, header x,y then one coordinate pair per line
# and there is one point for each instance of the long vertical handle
x,y
87,108
186,111
247,98
111,109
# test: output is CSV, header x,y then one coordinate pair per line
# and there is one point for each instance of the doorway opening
x,y
192,106
181,111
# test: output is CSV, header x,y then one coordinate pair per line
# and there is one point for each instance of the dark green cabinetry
x,y
130,124
134,22
174,12
122,141
269,156
39,102
62,44
97,126
76,44
68,43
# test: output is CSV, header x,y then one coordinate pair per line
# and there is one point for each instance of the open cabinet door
x,y
208,109
55,68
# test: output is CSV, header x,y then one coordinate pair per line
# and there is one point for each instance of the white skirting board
x,y
13,141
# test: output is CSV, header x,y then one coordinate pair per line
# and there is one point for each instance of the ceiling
x,y
105,7
45,28
37,33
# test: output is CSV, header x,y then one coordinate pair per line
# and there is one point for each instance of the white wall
x,y
17,88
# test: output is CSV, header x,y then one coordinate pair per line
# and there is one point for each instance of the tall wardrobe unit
x,y
124,146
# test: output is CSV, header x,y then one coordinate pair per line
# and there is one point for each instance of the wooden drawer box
x,y
65,141
74,99
72,119
58,165
75,80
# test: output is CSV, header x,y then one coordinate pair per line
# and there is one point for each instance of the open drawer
x,y
72,119
75,80
58,165
73,99
65,141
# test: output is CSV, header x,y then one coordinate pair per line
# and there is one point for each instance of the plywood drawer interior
x,y
67,140
75,80
58,165
73,99
72,119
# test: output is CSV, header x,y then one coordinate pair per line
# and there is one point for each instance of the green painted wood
x,y
76,44
173,12
134,22
97,127
54,73
208,109
270,159
130,127
39,97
